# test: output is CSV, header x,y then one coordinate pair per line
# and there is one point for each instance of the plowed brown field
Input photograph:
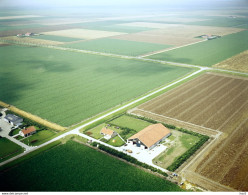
x,y
210,104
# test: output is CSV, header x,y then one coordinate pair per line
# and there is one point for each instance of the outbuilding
x,y
13,119
28,131
150,136
108,133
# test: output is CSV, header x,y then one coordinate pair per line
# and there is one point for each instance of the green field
x,y
68,87
75,167
40,136
116,46
116,141
8,149
56,38
130,122
208,53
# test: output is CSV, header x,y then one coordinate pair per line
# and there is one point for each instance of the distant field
x,y
75,167
83,33
116,46
8,149
68,87
223,21
56,38
208,53
112,26
173,34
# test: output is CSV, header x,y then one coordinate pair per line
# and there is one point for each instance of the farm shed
x,y
150,136
13,119
108,133
28,131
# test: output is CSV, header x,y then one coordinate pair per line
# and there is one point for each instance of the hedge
x,y
127,158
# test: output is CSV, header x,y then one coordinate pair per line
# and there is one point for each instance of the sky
x,y
113,2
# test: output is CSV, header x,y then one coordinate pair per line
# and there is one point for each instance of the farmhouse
x,y
28,131
150,136
108,133
13,119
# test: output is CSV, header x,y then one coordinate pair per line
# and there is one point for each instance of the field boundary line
x,y
169,49
206,128
33,117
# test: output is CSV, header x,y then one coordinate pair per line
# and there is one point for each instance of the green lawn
x,y
130,122
117,46
116,141
208,53
8,149
75,167
40,136
56,38
68,87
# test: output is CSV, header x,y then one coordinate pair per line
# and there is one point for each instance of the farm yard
x,y
238,62
208,53
67,91
75,167
212,102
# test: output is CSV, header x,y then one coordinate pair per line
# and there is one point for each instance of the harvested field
x,y
28,40
211,102
238,62
83,33
172,19
17,17
174,34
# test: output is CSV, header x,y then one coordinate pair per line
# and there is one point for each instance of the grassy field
x,y
40,136
130,122
68,87
55,170
10,149
56,38
179,143
116,46
208,53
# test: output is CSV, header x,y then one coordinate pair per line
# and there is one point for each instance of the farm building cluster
x,y
27,34
150,137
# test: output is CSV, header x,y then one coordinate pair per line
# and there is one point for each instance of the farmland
x,y
56,38
210,103
173,34
89,170
208,53
238,62
123,47
67,91
10,149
